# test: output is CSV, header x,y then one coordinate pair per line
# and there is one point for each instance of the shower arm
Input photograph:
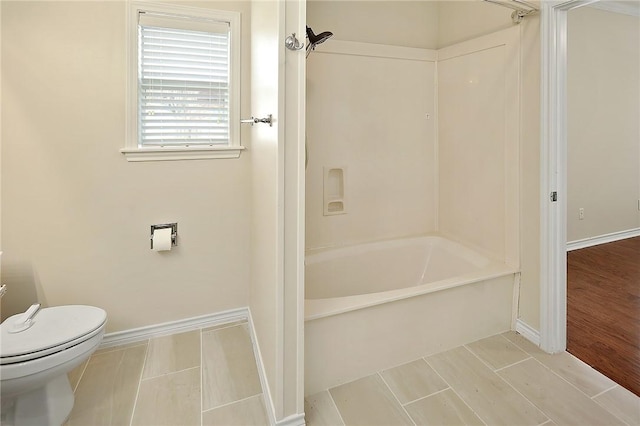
x,y
310,47
521,8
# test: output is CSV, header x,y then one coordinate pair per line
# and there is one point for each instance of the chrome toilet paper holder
x,y
174,232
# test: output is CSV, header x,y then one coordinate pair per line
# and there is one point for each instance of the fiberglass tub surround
x,y
426,257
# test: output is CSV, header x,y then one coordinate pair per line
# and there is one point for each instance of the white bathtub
x,y
376,305
353,277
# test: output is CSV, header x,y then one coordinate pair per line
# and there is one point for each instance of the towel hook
x,y
292,42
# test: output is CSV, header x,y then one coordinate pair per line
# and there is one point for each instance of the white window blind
x,y
183,81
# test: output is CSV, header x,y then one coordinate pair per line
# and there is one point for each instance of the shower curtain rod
x,y
520,8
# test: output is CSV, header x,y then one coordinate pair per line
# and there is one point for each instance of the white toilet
x,y
38,348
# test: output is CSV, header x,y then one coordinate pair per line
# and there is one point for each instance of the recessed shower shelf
x,y
334,191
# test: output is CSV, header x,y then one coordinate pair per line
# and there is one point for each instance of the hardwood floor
x,y
603,309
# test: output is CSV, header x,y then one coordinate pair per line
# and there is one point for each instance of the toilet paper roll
x,y
162,239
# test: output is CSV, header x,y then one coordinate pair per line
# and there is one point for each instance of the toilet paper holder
x,y
174,232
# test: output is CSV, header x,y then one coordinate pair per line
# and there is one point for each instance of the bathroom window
x,y
184,77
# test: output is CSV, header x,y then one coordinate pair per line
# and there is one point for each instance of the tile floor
x,y
500,380
209,377
201,377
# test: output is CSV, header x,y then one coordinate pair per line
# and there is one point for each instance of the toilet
x,y
37,350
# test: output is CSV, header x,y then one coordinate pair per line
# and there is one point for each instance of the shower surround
x,y
431,140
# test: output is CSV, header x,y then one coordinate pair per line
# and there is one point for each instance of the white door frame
x,y
553,175
294,216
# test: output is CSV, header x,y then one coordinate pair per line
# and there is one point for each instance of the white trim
x,y
171,154
135,335
553,176
602,239
293,420
341,47
622,7
528,332
294,219
515,302
262,373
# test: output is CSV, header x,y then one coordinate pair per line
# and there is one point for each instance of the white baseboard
x,y
528,332
266,390
144,333
295,420
602,239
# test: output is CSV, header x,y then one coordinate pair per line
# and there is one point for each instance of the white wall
x,y
463,20
603,93
426,24
265,298
75,213
398,23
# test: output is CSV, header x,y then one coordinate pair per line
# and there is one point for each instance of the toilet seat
x,y
53,330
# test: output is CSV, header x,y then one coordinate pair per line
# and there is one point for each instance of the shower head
x,y
316,39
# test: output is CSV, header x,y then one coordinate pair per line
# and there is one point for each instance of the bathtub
x,y
373,306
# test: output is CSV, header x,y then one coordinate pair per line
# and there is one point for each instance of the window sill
x,y
172,154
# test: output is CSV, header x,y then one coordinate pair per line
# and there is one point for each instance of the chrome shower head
x,y
316,39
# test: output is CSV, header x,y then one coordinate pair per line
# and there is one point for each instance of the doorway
x,y
568,218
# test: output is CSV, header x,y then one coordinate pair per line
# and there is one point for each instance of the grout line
x,y
606,408
485,363
491,367
396,398
144,363
226,404
427,396
86,364
170,373
506,339
552,371
591,370
605,391
455,392
544,413
336,407
333,402
515,363
519,346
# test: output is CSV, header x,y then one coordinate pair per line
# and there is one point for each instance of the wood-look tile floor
x,y
201,377
603,309
500,380
209,377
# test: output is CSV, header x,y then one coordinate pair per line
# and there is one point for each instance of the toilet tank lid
x,y
51,327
